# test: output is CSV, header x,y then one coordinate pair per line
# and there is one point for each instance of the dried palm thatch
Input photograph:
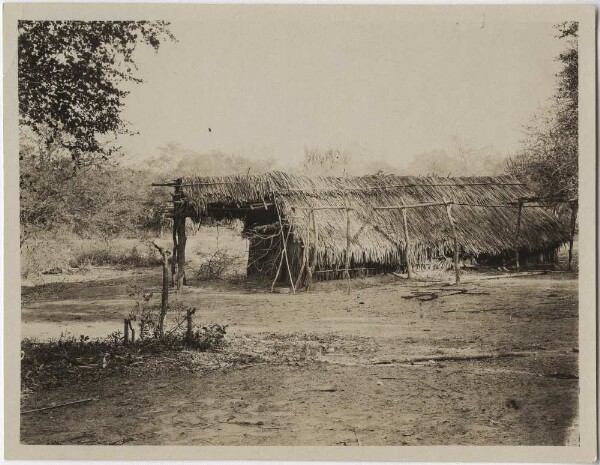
x,y
484,210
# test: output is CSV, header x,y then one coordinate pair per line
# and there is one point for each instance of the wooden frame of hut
x,y
302,229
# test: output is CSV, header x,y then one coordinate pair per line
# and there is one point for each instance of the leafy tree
x,y
549,156
71,79
71,76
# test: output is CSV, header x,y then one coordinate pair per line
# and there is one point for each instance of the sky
x,y
381,87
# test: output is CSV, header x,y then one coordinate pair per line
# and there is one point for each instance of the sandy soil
x,y
327,367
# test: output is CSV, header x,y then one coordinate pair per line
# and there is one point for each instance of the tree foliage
x,y
548,159
71,76
99,201
71,88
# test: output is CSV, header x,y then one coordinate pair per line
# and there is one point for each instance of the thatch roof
x,y
484,210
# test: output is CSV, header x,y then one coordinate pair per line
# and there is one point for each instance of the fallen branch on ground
x,y
57,406
512,275
440,358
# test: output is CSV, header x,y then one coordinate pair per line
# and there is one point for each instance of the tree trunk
x,y
574,208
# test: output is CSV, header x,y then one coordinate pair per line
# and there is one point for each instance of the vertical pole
x,y
181,240
347,265
456,269
305,255
164,301
406,244
174,253
517,234
313,264
574,208
307,250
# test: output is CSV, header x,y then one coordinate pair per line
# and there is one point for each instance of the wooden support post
x,y
574,208
305,257
309,251
518,233
174,260
315,242
132,332
164,301
406,244
181,240
347,264
455,237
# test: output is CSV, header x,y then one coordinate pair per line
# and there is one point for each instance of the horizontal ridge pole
x,y
415,205
321,208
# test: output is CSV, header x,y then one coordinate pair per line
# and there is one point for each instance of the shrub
x,y
109,253
216,266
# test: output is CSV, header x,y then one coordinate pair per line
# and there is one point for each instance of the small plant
x,y
143,312
209,338
215,267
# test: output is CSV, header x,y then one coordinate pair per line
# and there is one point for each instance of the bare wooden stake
x,y
164,301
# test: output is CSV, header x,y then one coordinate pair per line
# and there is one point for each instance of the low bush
x,y
105,254
55,255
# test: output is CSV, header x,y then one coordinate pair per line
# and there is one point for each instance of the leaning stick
x,y
284,240
279,267
57,406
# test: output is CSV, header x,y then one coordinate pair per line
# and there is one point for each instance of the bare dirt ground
x,y
326,367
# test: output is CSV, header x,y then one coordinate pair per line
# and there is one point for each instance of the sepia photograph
x,y
343,226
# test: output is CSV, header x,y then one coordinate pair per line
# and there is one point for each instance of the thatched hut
x,y
318,228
